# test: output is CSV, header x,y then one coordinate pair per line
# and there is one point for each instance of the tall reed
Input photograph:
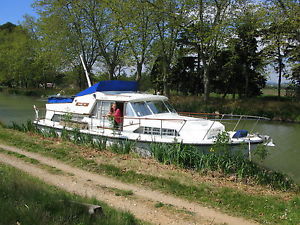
x,y
222,160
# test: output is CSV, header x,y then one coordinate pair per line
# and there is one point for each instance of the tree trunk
x,y
246,80
44,78
279,70
198,69
139,68
165,77
206,85
111,71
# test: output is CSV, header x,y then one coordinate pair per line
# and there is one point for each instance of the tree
x,y
276,40
64,36
184,76
205,30
289,10
238,66
168,19
17,56
246,49
135,19
102,26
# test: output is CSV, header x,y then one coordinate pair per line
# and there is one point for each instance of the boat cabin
x,y
89,109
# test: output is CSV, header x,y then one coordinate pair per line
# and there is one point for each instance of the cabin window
x,y
157,107
128,110
96,110
105,109
56,118
170,107
141,109
157,131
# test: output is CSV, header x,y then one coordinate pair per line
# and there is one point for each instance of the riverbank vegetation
x,y
219,158
225,47
283,109
26,200
259,205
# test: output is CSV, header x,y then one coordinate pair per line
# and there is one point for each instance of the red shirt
x,y
118,116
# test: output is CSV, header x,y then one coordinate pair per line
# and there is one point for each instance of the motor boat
x,y
145,118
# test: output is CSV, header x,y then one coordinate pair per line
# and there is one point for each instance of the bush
x,y
221,159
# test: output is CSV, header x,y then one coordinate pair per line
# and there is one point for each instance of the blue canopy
x,y
240,134
110,85
58,99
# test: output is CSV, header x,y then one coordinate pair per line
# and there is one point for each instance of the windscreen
x,y
170,107
157,107
141,109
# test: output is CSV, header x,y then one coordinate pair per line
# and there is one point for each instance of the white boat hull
x,y
143,141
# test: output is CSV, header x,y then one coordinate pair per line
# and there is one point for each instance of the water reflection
x,y
18,108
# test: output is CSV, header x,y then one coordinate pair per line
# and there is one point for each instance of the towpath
x,y
141,203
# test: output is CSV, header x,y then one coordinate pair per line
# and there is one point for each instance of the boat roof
x,y
128,96
117,90
110,85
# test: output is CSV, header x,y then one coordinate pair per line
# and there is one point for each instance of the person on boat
x,y
117,115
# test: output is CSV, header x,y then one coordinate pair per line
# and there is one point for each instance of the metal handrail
x,y
237,123
240,117
224,115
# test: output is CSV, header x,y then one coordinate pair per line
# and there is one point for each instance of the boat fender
x,y
240,134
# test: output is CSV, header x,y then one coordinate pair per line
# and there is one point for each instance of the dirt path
x,y
141,203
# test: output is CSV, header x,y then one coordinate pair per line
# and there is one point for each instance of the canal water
x,y
284,157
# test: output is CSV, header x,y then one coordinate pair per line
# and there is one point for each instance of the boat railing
x,y
104,124
229,117
137,121
77,118
222,116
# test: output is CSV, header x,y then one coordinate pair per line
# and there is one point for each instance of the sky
x,y
14,10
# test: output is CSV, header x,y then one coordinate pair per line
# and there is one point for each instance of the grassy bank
x,y
283,109
220,157
26,200
262,208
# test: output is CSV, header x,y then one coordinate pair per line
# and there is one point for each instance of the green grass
x,y
27,200
50,169
159,205
264,209
119,192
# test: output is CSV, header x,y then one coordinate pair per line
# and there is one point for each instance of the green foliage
x,y
278,109
119,192
122,147
50,133
158,36
67,117
261,151
221,144
65,135
2,124
159,205
219,158
27,127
